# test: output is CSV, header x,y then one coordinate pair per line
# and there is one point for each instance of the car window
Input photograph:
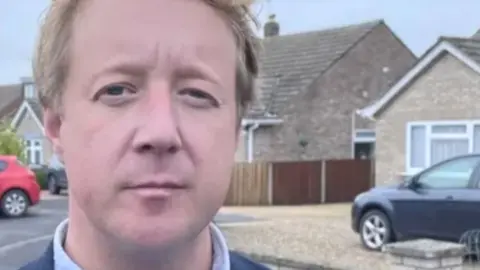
x,y
451,174
3,165
55,162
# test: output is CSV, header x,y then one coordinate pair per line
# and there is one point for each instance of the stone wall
x,y
425,254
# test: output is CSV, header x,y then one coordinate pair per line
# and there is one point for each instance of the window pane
x,y
476,139
450,129
365,134
29,156
442,149
37,156
28,143
452,174
417,147
37,143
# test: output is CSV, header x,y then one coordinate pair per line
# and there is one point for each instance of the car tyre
x,y
53,187
375,230
14,203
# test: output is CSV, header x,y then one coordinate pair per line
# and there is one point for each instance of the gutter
x,y
250,133
246,122
251,125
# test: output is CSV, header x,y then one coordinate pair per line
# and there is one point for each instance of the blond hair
x,y
51,58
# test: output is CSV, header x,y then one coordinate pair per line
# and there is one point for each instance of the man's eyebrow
x,y
122,66
197,71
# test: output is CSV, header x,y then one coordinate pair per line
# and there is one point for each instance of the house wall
x,y
241,153
447,91
27,127
322,114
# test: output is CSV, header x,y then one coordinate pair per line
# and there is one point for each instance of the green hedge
x,y
41,175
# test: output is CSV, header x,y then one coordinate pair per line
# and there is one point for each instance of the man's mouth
x,y
156,189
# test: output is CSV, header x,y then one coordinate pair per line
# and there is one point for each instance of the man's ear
x,y
52,123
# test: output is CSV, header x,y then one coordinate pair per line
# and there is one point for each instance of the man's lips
x,y
157,185
155,190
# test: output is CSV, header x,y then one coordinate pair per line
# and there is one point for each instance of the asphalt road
x,y
24,239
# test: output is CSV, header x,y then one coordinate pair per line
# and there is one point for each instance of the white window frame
x,y
469,135
33,148
29,90
370,138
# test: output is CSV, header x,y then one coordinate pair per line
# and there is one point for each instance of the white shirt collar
x,y
221,257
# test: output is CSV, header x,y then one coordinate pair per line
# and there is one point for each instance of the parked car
x,y
441,202
18,187
56,176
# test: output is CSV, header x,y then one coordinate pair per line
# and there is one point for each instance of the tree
x,y
10,143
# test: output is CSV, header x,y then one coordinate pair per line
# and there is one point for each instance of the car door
x,y
415,209
464,208
57,167
451,184
3,167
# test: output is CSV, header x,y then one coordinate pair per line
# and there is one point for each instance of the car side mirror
x,y
413,184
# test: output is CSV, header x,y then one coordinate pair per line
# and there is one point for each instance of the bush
x,y
41,176
10,143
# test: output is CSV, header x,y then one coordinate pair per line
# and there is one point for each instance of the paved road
x,y
24,239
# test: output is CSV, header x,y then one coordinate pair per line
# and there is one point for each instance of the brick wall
x,y
449,90
322,114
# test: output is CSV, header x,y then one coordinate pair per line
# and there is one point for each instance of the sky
x,y
418,24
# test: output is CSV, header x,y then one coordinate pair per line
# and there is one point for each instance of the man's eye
x,y
115,90
199,98
116,94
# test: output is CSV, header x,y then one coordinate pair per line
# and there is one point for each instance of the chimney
x,y
271,28
29,90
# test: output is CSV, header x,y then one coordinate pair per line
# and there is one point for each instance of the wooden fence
x,y
300,182
249,184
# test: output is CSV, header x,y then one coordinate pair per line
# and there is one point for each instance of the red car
x,y
18,187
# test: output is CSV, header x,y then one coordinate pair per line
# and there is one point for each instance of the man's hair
x,y
51,58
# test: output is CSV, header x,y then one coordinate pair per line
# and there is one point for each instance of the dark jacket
x,y
45,262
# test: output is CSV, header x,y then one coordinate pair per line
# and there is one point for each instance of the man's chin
x,y
152,236
152,225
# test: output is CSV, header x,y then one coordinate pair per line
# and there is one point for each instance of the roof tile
x,y
289,63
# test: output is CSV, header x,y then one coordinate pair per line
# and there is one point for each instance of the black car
x,y
56,176
441,202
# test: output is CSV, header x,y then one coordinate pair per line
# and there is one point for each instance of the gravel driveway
x,y
319,235
310,234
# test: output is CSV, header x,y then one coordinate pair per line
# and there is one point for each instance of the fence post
x,y
270,183
323,183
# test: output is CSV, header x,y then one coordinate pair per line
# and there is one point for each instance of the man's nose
x,y
157,129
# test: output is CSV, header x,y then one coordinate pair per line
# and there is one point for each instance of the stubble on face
x,y
147,77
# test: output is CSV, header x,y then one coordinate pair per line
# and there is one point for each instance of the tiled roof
x,y
289,63
469,46
10,99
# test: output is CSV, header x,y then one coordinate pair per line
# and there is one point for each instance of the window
x,y
3,165
431,143
29,90
451,174
34,153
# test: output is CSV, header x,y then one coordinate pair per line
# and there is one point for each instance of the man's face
x,y
149,128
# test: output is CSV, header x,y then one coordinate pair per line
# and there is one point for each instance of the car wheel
x,y
375,230
53,188
14,203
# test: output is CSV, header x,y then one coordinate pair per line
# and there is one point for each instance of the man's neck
x,y
93,250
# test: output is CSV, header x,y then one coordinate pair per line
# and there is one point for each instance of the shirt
x,y
221,257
